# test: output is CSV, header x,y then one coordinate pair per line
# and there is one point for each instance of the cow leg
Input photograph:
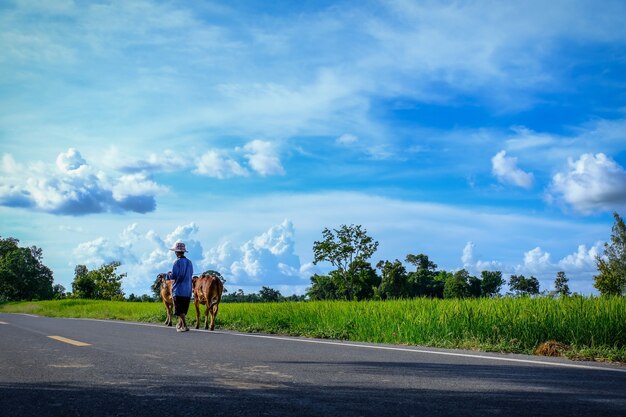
x,y
195,303
168,313
214,315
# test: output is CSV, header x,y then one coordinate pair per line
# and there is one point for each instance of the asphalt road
x,y
132,369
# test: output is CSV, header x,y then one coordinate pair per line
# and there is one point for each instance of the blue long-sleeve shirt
x,y
182,271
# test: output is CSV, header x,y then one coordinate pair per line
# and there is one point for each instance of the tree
x,y
364,280
492,282
521,285
83,285
560,284
421,281
269,295
612,266
394,282
342,248
23,276
457,285
474,287
101,284
323,287
58,292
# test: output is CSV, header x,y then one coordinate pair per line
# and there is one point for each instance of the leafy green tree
x,y
23,276
491,284
364,280
269,295
394,283
457,286
323,287
102,284
612,266
521,285
84,285
560,284
342,248
421,280
439,282
474,287
58,292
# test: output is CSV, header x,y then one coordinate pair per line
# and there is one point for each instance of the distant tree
x,y
439,282
560,284
323,287
457,286
103,283
421,280
611,279
394,282
364,280
156,288
269,295
58,292
474,287
145,298
492,282
342,247
23,276
521,285
83,285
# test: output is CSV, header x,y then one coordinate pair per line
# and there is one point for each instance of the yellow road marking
x,y
3,322
70,341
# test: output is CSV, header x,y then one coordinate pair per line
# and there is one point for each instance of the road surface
x,y
80,367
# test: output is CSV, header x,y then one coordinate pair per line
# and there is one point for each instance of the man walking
x,y
182,271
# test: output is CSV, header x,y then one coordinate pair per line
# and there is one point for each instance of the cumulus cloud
x,y
583,259
592,183
476,266
214,165
263,158
73,187
142,255
264,260
268,259
506,171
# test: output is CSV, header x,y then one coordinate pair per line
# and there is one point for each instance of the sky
x,y
487,135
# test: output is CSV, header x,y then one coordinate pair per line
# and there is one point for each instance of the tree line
x,y
23,275
349,249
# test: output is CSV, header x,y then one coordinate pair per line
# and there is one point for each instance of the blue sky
x,y
487,135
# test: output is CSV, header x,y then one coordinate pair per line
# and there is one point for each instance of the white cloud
x,y
214,165
477,266
527,139
166,161
506,171
71,162
583,259
263,158
347,139
72,187
592,183
536,260
267,259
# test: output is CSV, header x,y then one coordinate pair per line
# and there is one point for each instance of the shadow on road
x,y
549,395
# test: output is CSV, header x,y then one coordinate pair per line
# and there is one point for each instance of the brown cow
x,y
166,297
207,290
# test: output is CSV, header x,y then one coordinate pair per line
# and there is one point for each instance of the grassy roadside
x,y
584,327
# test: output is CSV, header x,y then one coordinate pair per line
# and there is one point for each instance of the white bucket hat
x,y
179,247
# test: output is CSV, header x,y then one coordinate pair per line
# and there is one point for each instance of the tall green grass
x,y
591,327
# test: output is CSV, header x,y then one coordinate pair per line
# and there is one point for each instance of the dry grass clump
x,y
551,348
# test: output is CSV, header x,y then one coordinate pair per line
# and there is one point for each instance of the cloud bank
x,y
73,187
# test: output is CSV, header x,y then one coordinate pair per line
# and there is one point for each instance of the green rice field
x,y
589,328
